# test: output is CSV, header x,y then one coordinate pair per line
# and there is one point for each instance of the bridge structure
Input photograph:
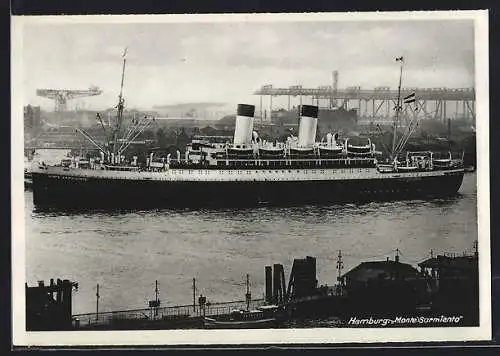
x,y
62,96
378,104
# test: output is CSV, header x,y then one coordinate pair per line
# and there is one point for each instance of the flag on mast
x,y
409,98
399,59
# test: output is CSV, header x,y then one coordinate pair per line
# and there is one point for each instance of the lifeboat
x,y
385,168
302,152
441,162
237,151
330,151
271,152
407,168
358,146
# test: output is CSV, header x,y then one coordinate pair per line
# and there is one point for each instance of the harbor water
x,y
125,252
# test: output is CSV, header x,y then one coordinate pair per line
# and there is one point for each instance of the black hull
x,y
98,193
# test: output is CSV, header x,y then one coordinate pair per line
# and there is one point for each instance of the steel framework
x,y
379,103
61,96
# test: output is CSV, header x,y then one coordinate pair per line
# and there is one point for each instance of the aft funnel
x,y
244,124
307,125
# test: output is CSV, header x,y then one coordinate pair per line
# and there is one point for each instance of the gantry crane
x,y
61,96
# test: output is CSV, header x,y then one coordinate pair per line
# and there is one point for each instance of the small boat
x,y
262,317
407,168
442,162
330,150
210,323
385,168
358,149
359,146
240,152
271,152
301,152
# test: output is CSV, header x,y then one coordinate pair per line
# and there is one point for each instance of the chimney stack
x,y
244,124
307,125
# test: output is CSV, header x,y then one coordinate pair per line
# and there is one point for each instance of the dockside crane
x,y
62,96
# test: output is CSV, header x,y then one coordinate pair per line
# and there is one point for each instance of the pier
x,y
179,316
442,284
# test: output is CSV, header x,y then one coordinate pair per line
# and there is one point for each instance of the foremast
x,y
119,107
116,144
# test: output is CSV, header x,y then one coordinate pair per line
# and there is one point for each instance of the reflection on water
x,y
125,252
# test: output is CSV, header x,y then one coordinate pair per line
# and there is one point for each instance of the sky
x,y
171,63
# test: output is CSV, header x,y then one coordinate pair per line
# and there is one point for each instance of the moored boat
x,y
262,317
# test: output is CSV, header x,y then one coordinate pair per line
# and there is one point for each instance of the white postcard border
x,y
271,336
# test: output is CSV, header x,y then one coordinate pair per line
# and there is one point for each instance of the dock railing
x,y
161,313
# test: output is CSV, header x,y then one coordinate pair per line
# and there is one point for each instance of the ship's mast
x,y
340,265
121,102
248,295
115,143
398,109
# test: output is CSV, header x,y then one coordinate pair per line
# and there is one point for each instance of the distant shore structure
x,y
437,103
62,96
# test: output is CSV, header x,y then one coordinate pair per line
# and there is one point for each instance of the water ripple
x,y
125,252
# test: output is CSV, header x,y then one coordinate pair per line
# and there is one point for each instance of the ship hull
x,y
85,191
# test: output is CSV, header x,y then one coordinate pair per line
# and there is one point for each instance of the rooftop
x,y
467,262
374,269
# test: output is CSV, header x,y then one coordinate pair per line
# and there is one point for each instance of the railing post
x,y
194,294
97,303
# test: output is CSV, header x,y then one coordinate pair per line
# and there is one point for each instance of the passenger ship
x,y
246,171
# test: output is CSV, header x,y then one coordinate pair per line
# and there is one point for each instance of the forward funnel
x,y
244,124
307,125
